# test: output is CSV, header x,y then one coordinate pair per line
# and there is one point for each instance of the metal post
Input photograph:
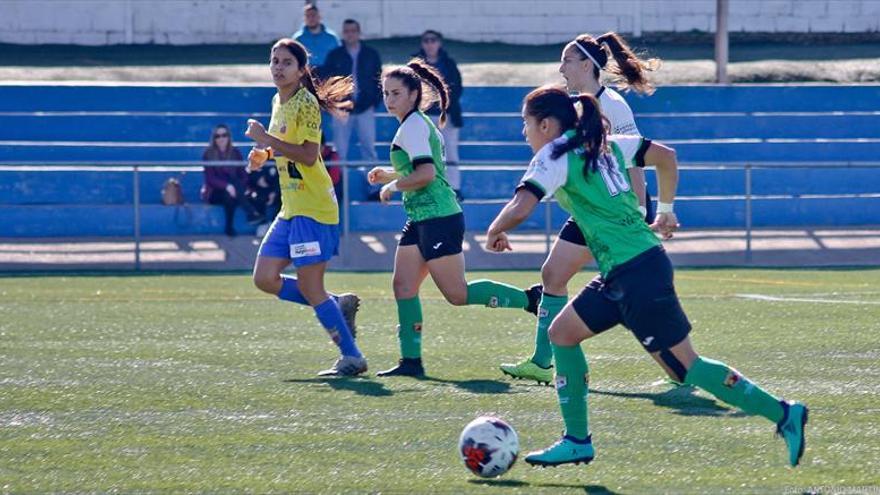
x,y
748,213
346,214
548,226
721,41
137,218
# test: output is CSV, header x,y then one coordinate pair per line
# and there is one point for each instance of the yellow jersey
x,y
305,190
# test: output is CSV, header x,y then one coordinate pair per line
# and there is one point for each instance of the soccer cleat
x,y
566,451
346,366
791,429
529,371
534,294
349,303
405,367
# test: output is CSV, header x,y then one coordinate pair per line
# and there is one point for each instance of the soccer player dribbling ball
x,y
306,231
575,161
582,61
434,231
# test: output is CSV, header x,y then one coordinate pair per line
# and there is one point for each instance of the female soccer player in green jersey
x,y
434,230
306,231
585,170
582,61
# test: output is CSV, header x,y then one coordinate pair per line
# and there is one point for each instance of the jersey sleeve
x,y
307,121
544,175
415,139
622,119
632,149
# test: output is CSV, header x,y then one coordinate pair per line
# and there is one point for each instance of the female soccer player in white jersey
x,y
583,59
434,231
306,231
585,170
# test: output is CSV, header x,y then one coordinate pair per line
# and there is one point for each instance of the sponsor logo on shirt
x,y
305,249
732,379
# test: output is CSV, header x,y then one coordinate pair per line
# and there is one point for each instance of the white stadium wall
x,y
99,22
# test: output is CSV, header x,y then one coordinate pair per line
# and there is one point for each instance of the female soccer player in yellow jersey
x,y
306,231
585,170
434,231
581,64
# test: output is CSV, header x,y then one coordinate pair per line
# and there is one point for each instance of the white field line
x,y
764,297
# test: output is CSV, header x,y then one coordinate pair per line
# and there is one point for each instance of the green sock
x,y
496,294
409,314
571,388
548,309
730,386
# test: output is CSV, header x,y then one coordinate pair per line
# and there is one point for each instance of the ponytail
x,y
631,71
334,94
591,127
417,73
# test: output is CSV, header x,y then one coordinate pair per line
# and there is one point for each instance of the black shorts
x,y
640,295
572,233
435,237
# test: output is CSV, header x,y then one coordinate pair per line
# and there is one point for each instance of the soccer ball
x,y
488,446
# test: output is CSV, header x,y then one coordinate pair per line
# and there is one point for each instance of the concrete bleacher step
x,y
196,128
118,220
693,151
114,220
167,97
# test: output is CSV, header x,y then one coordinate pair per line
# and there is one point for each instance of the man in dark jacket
x,y
433,53
354,58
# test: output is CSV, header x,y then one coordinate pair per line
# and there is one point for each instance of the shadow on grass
x,y
682,399
474,386
359,386
589,489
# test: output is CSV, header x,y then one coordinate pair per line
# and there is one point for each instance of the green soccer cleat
x,y
529,371
568,450
791,429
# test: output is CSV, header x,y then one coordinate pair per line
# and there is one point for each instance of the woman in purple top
x,y
227,185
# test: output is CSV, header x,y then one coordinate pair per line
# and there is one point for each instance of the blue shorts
x,y
302,240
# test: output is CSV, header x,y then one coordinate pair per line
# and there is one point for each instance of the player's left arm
x,y
626,124
663,158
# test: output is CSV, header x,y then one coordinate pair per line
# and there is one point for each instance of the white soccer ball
x,y
488,446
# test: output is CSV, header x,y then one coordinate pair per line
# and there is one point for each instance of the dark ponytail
x,y
417,73
630,71
590,126
334,94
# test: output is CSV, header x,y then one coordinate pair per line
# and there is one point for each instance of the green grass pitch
x,y
201,384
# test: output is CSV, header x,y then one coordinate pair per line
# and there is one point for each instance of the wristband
x,y
643,211
392,186
270,153
664,207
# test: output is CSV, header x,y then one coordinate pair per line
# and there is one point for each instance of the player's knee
x,y
560,335
554,277
265,282
403,289
456,297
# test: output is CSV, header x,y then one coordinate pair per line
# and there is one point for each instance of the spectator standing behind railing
x,y
227,185
313,35
432,52
360,61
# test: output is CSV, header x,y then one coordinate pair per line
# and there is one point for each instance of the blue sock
x,y
330,316
290,291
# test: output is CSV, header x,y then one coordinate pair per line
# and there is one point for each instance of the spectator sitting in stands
x,y
227,185
317,39
432,52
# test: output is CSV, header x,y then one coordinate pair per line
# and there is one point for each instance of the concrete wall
x,y
98,22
